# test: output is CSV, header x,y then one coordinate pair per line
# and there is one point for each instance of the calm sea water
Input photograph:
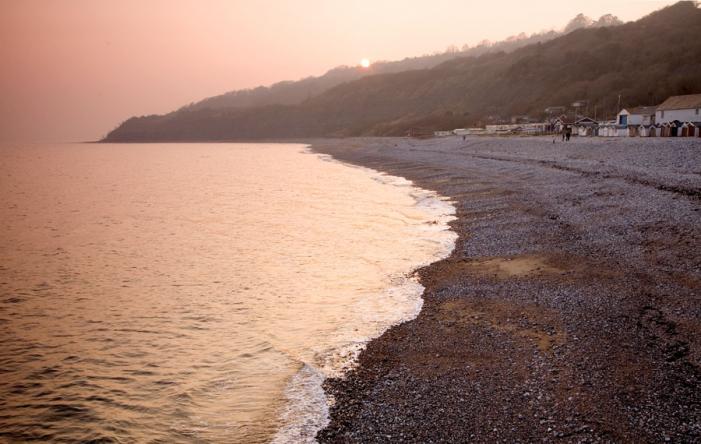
x,y
195,292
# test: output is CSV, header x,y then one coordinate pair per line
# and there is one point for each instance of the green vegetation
x,y
644,62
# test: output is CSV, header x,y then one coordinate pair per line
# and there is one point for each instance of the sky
x,y
72,70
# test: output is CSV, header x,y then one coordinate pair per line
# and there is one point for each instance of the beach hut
x,y
675,129
585,127
621,131
671,129
685,130
654,130
690,129
604,129
648,131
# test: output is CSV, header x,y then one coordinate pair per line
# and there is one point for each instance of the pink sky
x,y
74,69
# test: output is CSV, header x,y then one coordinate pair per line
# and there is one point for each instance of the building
x,y
469,131
641,115
648,131
606,129
560,123
612,129
691,129
586,127
555,110
679,108
534,128
671,129
522,119
503,129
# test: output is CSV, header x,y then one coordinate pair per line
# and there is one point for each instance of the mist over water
x,y
195,292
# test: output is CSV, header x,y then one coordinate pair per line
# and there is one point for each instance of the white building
x,y
502,129
680,108
533,128
469,131
642,115
585,126
648,131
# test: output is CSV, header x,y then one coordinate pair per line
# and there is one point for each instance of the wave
x,y
307,405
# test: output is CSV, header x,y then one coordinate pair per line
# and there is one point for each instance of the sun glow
x,y
365,63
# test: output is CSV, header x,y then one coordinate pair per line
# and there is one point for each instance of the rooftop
x,y
643,110
681,102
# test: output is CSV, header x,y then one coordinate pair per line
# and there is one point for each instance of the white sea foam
x,y
307,408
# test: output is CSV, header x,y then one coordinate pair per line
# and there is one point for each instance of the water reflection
x,y
171,293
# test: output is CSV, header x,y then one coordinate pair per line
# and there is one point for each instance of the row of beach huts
x,y
678,116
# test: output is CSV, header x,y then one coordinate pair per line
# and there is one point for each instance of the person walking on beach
x,y
568,132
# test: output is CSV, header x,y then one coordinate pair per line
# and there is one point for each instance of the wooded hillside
x,y
644,62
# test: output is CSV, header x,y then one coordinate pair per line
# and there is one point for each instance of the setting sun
x,y
365,63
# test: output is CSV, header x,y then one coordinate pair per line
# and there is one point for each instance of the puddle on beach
x,y
518,266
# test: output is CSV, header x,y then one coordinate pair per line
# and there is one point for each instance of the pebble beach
x,y
569,310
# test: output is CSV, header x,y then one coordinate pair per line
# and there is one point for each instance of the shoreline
x,y
568,310
306,411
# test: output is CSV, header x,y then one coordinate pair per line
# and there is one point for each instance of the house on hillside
x,y
679,108
521,119
641,115
555,110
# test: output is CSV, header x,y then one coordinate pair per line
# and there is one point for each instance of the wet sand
x,y
569,311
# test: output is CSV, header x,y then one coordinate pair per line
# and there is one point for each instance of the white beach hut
x,y
585,127
647,131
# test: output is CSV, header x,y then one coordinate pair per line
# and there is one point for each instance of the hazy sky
x,y
74,69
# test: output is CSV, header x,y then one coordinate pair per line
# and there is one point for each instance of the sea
x,y
166,293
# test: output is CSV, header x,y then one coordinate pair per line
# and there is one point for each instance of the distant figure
x,y
564,131
463,137
568,133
